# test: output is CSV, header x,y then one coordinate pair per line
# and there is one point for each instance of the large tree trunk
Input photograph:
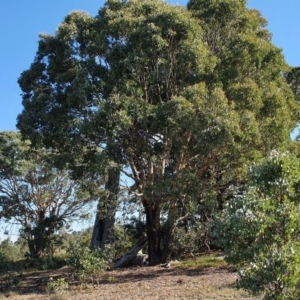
x,y
159,251
33,252
103,231
153,233
36,250
37,237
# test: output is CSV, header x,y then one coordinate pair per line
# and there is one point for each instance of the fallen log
x,y
134,255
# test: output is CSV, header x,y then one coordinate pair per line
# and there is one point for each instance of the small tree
x,y
34,194
261,229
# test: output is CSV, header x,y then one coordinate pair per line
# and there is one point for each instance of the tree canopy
x,y
178,99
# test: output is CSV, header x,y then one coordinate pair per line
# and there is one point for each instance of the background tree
x,y
179,100
70,69
9,251
40,198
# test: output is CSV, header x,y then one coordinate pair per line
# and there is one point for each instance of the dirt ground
x,y
137,283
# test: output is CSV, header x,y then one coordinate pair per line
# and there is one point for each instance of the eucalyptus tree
x,y
90,87
249,70
62,92
179,100
38,197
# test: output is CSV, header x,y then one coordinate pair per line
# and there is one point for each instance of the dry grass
x,y
185,280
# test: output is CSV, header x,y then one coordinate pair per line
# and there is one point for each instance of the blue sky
x,y
21,22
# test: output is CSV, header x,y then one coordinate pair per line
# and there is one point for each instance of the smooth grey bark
x,y
103,231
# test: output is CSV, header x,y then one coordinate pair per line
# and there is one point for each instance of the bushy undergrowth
x,y
57,287
260,229
4,262
89,265
195,240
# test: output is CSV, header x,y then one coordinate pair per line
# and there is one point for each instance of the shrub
x,y
57,287
89,265
260,230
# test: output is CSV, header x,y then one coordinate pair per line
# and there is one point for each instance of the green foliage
x,y
10,250
8,279
293,79
192,240
4,262
260,229
179,100
10,261
124,239
50,261
57,287
204,261
89,265
81,238
130,224
39,197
